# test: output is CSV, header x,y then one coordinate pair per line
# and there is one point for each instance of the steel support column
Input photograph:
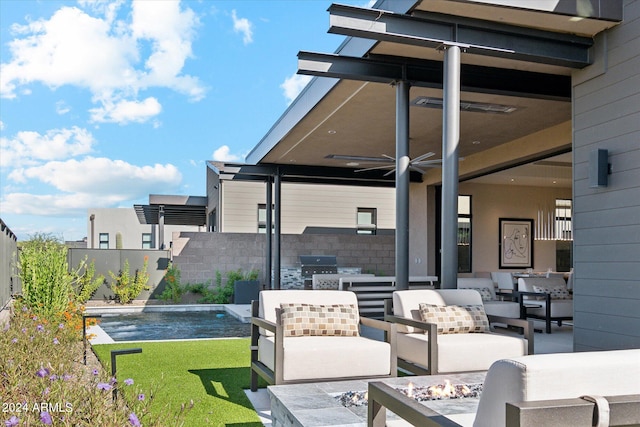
x,y
269,234
161,227
450,141
402,184
277,230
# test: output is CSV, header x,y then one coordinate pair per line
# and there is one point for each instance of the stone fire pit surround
x,y
317,404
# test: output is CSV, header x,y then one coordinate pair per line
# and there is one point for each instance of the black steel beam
x,y
428,73
314,174
474,36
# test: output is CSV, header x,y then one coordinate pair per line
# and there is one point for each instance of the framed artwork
x,y
516,243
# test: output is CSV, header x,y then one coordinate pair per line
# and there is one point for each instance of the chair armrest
x,y
526,325
265,324
377,324
513,296
427,327
431,329
544,295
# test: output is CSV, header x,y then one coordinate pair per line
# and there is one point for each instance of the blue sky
x,y
105,102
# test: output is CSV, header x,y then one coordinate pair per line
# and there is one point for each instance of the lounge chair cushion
x,y
454,350
456,319
556,376
306,357
300,319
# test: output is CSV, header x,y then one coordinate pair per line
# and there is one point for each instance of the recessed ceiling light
x,y
475,142
353,164
331,132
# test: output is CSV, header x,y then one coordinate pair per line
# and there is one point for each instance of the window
x,y
262,218
146,241
563,224
464,234
104,241
366,221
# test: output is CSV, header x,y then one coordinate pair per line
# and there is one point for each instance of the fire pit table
x,y
329,403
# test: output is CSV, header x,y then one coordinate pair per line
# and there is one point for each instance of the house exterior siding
x,y
304,205
606,115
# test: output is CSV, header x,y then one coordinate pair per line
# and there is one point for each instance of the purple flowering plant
x,y
45,376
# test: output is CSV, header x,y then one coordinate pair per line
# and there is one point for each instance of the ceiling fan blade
x,y
373,168
424,156
361,159
393,159
390,172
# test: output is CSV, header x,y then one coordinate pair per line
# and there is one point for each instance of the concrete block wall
x,y
200,255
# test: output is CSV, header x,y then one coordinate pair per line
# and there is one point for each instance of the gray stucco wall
x,y
106,260
607,220
199,255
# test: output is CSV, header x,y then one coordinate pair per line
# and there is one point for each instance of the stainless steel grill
x,y
316,264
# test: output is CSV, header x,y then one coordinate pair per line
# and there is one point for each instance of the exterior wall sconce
x,y
599,168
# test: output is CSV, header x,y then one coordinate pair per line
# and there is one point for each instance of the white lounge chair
x,y
307,336
425,350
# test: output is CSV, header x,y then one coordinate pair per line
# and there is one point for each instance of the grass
x,y
211,373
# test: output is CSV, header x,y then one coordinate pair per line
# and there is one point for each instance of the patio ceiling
x,y
357,118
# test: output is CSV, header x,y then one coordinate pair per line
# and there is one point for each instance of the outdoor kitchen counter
x,y
317,404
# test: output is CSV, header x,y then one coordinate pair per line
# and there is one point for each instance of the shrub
x,y
173,290
224,294
126,287
44,273
86,284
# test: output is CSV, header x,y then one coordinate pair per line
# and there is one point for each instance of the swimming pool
x,y
168,325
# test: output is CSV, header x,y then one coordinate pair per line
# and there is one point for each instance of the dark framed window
x,y
262,218
366,221
103,241
464,234
146,241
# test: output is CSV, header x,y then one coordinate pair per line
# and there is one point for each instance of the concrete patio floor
x,y
559,341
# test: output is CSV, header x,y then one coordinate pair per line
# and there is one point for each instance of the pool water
x,y
170,325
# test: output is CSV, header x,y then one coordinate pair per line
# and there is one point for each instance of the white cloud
x,y
99,175
29,148
95,182
62,51
243,26
223,154
126,111
293,85
62,108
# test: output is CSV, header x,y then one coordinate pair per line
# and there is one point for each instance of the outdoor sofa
x,y
314,335
545,377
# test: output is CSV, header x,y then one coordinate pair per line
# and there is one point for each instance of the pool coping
x,y
242,312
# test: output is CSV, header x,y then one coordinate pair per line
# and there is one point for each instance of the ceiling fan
x,y
418,164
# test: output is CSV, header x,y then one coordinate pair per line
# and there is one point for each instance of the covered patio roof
x,y
336,118
395,95
173,210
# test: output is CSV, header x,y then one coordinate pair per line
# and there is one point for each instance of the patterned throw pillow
x,y
556,292
485,293
300,320
455,319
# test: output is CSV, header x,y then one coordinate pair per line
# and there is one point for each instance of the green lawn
x,y
212,373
